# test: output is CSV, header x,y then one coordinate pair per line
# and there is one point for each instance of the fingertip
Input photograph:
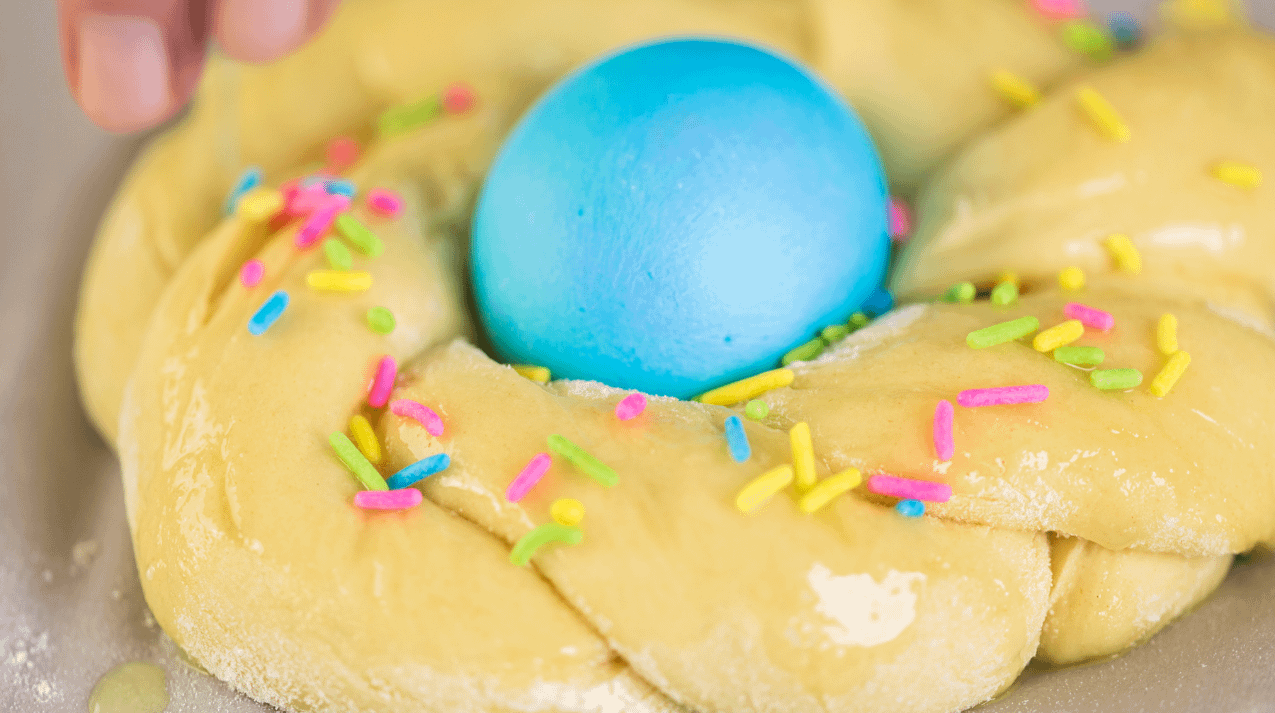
x,y
123,72
266,30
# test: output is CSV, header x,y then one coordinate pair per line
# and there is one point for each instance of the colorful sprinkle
x,y
829,488
858,321
805,352
1103,115
248,180
365,438
944,444
458,98
383,201
1238,174
418,471
1124,29
910,508
259,204
342,152
359,236
1059,335
879,302
1170,373
961,293
1123,252
383,382
749,388
1059,9
337,254
1090,316
1003,396
341,187
900,220
1005,294
251,273
401,119
1016,90
1071,279
600,472
420,413
302,200
630,407
538,374
908,488
336,281
1002,333
1088,39
567,511
756,409
381,320
803,456
1079,356
388,499
737,440
1115,379
547,533
1166,334
268,313
763,488
316,225
528,477
356,462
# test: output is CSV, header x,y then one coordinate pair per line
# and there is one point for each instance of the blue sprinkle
x,y
268,313
418,471
250,179
1124,28
737,439
879,303
340,187
910,508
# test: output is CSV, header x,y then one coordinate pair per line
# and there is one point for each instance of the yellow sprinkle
x,y
1169,375
1166,334
567,511
538,374
365,439
1238,174
763,488
1126,256
1008,276
1015,89
749,388
1059,335
1103,115
259,204
1071,278
334,281
803,456
829,488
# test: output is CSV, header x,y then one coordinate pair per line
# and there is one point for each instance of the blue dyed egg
x,y
676,216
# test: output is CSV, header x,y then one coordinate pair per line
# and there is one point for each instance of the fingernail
x,y
123,71
262,30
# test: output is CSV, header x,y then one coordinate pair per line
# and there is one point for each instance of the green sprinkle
x,y
1088,39
1079,356
1003,332
1005,294
381,320
961,292
756,409
526,548
337,254
401,119
859,320
592,467
1115,379
805,352
356,462
834,333
365,240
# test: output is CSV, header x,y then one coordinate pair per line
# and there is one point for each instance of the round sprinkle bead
x,y
251,273
567,511
756,409
1005,294
1071,279
910,508
630,407
384,202
381,320
962,293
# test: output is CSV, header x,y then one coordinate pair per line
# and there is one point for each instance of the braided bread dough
x,y
254,561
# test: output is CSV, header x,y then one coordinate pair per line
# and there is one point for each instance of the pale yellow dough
x,y
255,561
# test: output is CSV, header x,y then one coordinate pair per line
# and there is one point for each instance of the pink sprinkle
x,y
910,489
630,407
458,97
900,220
1094,318
318,223
343,151
527,479
383,382
252,272
306,199
1060,9
385,202
944,445
388,499
1003,396
419,412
